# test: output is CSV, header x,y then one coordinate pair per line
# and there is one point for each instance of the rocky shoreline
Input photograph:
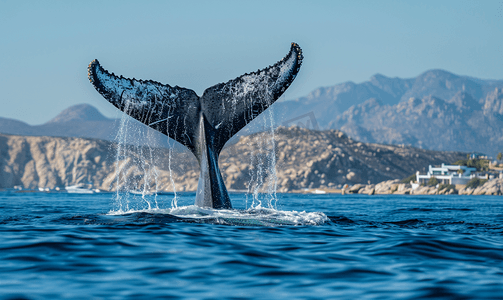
x,y
303,159
491,187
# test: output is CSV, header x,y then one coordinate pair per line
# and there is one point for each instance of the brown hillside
x,y
304,159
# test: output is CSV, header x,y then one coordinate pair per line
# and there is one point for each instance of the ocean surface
x,y
58,245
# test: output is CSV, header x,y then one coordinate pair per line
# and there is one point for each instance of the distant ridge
x,y
455,113
436,110
329,102
305,159
85,121
79,112
460,123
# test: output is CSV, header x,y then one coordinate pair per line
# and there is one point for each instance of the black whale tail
x,y
203,124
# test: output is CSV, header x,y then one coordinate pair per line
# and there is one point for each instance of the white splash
x,y
137,176
249,217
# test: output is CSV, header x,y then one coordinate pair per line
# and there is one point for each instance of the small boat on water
x,y
142,193
79,189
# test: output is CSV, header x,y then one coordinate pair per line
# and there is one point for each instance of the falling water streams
x,y
272,178
131,160
137,180
137,174
263,179
121,200
137,177
174,202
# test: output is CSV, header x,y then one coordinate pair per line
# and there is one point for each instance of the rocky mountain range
x,y
329,102
303,159
460,123
436,110
84,120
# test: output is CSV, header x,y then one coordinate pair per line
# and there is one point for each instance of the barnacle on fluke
x,y
203,124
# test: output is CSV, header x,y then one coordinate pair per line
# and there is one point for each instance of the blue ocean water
x,y
312,247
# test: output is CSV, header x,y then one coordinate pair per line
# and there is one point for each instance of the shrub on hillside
x,y
479,164
433,181
475,182
446,187
409,179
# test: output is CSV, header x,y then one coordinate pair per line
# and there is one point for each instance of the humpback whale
x,y
202,124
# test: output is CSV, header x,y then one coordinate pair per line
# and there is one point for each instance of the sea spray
x,y
174,201
273,177
121,199
263,182
182,114
153,169
137,176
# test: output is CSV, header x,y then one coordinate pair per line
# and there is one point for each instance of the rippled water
x,y
314,246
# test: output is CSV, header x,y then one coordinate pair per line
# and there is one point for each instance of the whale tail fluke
x,y
173,111
203,124
232,105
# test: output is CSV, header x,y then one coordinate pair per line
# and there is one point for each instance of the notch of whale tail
x,y
202,124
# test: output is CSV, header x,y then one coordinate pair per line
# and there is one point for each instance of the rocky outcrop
x,y
48,162
383,188
51,162
491,187
303,158
322,159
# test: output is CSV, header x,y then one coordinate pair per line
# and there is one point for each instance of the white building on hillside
x,y
449,174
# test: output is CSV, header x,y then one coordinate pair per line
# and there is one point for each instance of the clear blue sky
x,y
45,46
